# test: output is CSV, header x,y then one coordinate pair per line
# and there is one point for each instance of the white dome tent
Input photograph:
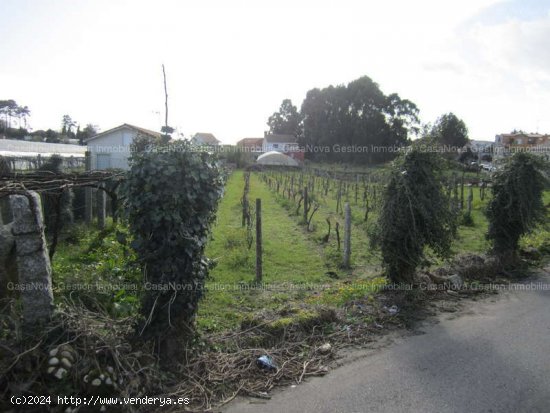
x,y
276,158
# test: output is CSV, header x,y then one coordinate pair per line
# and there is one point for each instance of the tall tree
x,y
286,121
67,123
451,131
10,109
359,115
22,113
89,131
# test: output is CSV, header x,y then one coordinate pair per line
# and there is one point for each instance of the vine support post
x,y
347,235
88,191
258,240
356,188
101,206
470,199
462,191
306,201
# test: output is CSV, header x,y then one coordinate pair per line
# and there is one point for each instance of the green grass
x,y
471,239
540,237
289,257
294,258
93,267
363,259
366,262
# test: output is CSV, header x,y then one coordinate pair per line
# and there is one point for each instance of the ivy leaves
x,y
171,197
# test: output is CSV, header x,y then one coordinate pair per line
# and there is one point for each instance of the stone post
x,y
8,267
33,262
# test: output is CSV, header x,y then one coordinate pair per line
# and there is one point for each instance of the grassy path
x,y
289,257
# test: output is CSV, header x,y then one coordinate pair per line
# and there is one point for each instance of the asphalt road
x,y
494,357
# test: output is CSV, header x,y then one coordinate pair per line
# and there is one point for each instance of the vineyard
x,y
306,248
297,279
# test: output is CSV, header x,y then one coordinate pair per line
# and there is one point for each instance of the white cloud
x,y
229,64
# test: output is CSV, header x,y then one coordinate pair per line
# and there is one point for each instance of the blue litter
x,y
266,363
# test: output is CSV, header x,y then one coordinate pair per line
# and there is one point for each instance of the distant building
x,y
286,144
252,145
23,154
204,139
279,143
508,143
482,149
111,149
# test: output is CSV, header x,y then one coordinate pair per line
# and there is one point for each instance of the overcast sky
x,y
230,63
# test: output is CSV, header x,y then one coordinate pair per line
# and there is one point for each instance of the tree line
x,y
14,125
361,117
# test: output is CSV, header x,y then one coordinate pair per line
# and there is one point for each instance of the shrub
x,y
517,206
415,214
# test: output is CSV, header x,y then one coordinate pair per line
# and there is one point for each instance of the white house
x,y
201,138
279,143
111,149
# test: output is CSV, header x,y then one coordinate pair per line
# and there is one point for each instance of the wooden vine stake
x,y
88,192
101,207
258,240
347,235
306,206
470,199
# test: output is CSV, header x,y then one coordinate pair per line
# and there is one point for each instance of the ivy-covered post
x,y
172,194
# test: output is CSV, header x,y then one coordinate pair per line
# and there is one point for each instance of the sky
x,y
229,64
